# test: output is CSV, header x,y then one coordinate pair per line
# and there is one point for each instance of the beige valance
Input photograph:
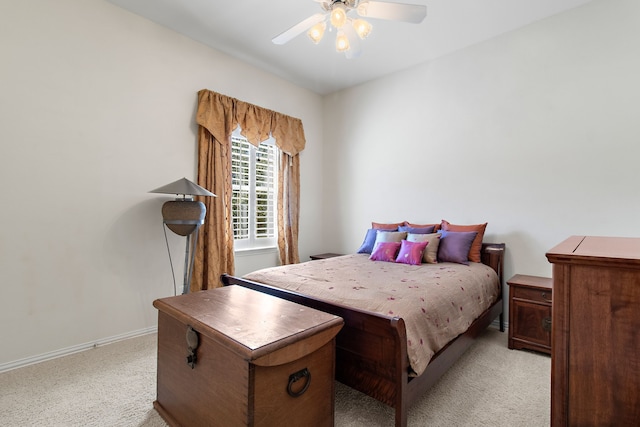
x,y
216,112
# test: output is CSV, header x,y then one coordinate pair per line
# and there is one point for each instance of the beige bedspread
x,y
437,301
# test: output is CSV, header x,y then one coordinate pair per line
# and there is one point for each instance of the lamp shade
x,y
185,187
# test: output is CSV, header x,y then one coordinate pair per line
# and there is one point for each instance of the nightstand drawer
x,y
531,324
530,294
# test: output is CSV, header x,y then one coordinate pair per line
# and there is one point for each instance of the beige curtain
x,y
217,116
288,208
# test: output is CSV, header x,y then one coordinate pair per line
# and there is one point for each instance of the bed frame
x,y
371,349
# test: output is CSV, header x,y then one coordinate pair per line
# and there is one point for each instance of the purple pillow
x,y
417,230
370,240
411,252
455,246
385,251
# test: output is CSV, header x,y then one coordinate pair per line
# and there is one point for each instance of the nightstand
x,y
530,313
324,256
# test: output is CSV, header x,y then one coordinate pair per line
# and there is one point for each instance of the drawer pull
x,y
546,324
545,297
303,373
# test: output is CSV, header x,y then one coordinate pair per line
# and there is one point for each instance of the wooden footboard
x,y
367,348
371,349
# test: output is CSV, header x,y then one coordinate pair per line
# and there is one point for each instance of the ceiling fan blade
x,y
298,29
414,13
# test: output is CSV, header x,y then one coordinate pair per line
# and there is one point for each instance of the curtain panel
x,y
217,116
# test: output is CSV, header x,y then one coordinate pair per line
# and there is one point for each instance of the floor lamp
x,y
184,216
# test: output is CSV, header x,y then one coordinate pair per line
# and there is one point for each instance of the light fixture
x,y
317,31
342,42
338,15
363,8
362,27
338,19
184,216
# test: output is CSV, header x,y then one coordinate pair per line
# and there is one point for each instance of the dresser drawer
x,y
530,294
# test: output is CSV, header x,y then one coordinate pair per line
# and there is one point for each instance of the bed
x,y
376,349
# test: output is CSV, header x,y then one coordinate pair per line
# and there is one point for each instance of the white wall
x,y
536,132
97,107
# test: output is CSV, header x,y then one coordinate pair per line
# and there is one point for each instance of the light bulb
x,y
342,42
317,31
362,27
338,15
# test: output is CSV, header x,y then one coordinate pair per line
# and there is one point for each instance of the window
x,y
254,195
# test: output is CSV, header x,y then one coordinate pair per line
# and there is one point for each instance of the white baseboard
x,y
20,363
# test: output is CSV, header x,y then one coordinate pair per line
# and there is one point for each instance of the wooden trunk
x,y
595,359
255,355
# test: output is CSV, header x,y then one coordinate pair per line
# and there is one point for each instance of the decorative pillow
x,y
431,252
390,236
417,230
393,226
385,251
369,241
411,252
476,247
455,245
436,227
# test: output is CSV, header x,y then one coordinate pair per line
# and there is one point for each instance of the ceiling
x,y
244,29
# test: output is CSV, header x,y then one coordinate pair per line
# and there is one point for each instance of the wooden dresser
x,y
236,357
595,359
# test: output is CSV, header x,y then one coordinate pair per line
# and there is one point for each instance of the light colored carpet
x,y
115,385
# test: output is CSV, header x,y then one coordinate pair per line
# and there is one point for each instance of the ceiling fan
x,y
346,17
